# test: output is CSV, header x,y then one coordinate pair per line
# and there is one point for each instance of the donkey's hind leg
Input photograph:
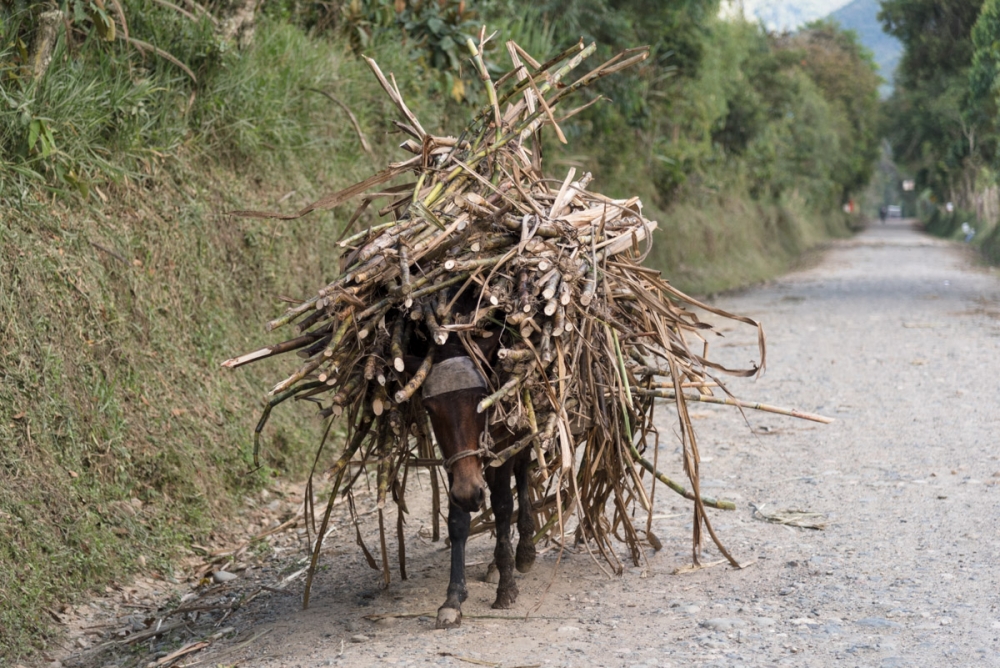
x,y
502,502
525,557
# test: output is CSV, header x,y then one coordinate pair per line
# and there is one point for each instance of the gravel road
x,y
894,334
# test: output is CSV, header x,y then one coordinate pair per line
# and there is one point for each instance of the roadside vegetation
x,y
123,284
941,120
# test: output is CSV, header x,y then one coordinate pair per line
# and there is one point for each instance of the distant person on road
x,y
883,211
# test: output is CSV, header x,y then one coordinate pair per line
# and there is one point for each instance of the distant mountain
x,y
860,16
782,15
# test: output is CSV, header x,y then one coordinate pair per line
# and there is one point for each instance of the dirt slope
x,y
895,335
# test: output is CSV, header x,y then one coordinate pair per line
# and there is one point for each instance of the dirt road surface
x,y
894,334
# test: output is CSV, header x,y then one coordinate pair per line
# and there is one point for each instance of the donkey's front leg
x,y
525,557
450,614
502,503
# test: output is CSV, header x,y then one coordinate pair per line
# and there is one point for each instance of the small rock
x,y
722,624
688,609
803,621
945,621
568,629
763,621
223,576
359,638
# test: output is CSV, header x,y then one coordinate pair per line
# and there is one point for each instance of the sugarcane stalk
x,y
471,264
589,287
729,401
293,313
529,327
287,346
515,354
349,241
309,366
565,294
373,322
404,274
506,389
439,335
546,348
524,292
347,390
559,322
418,378
484,76
382,486
517,318
396,345
551,285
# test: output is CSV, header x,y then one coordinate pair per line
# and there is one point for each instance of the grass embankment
x,y
124,438
986,239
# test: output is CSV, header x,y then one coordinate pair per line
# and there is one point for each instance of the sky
x,y
783,14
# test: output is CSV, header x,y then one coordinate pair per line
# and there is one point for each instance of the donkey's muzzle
x,y
470,500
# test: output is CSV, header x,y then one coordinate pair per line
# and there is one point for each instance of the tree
x,y
984,75
936,36
846,75
929,122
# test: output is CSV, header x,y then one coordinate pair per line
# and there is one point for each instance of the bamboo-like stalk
x,y
729,401
507,388
291,344
396,346
418,378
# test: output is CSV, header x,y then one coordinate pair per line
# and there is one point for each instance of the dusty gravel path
x,y
894,334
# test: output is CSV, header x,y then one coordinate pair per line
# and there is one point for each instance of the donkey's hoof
x,y
525,557
448,618
505,598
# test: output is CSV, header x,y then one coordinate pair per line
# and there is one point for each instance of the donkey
x,y
450,394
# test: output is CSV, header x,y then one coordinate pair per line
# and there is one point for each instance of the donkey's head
x,y
450,394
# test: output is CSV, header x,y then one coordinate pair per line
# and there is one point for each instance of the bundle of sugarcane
x,y
589,339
